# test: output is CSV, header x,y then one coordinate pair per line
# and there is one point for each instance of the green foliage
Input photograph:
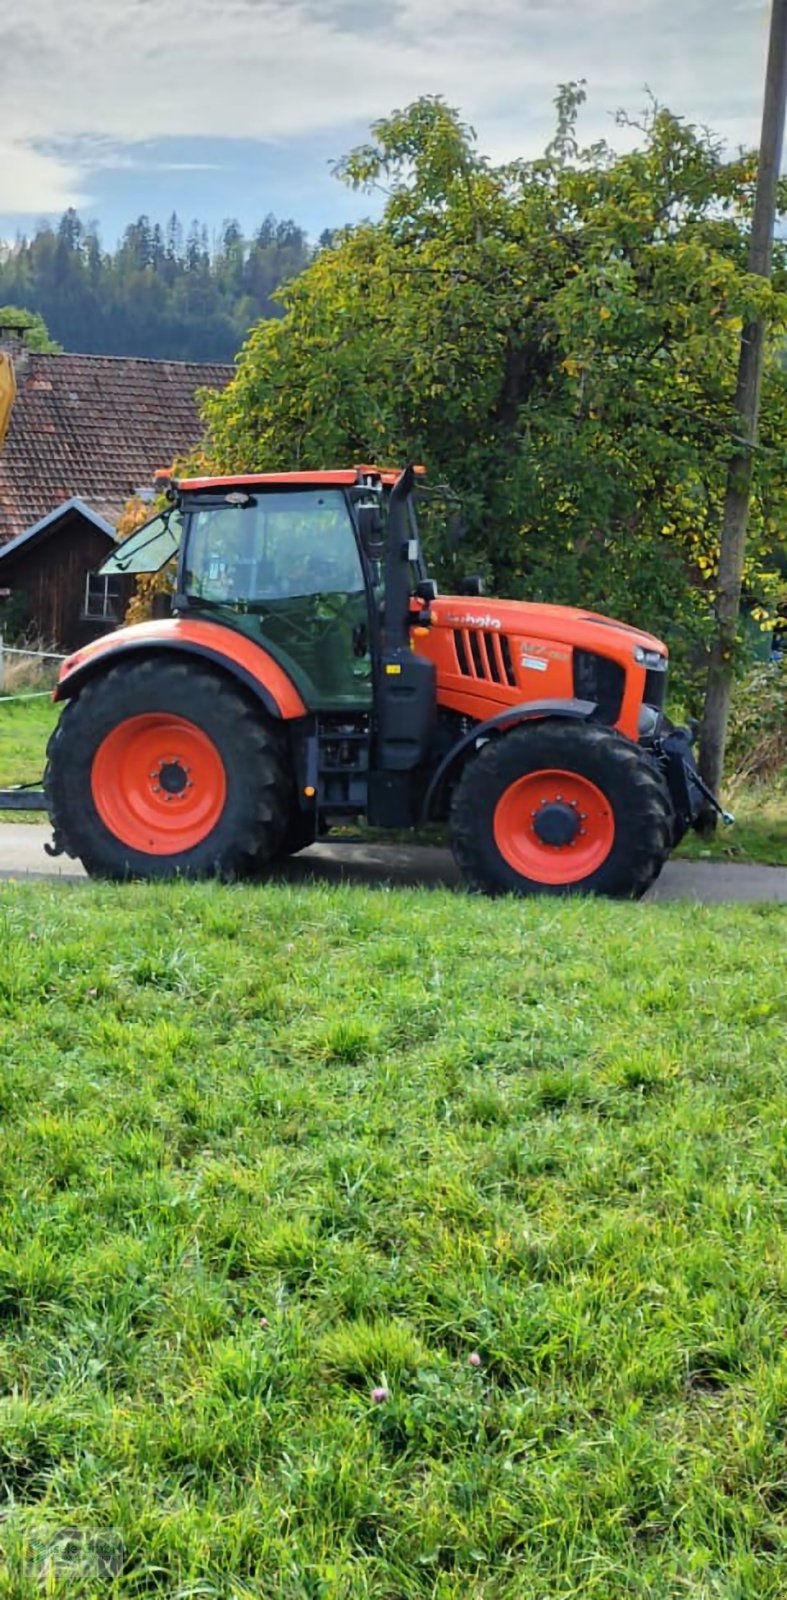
x,y
557,339
758,725
242,1279
35,329
163,292
14,615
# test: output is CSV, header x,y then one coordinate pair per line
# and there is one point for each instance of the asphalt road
x,y
22,855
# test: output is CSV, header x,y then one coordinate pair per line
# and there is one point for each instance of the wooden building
x,y
49,578
85,434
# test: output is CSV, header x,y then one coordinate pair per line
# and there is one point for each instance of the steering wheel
x,y
313,628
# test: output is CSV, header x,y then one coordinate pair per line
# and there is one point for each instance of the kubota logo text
x,y
469,621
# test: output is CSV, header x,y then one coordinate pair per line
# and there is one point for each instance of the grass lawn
x,y
25,726
759,832
518,1167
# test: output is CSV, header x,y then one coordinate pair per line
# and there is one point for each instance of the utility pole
x,y
713,737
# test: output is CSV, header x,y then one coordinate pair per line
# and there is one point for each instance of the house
x,y
49,581
83,435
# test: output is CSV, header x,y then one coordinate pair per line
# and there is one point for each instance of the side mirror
x,y
370,528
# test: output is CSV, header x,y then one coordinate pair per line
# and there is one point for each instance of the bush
x,y
758,724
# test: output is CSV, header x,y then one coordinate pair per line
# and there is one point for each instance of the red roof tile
x,y
97,427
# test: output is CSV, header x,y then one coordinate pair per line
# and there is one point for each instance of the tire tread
x,y
484,780
265,810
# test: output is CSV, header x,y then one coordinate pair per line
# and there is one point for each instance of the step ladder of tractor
x,y
354,768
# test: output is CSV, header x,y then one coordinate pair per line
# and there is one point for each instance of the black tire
x,y
257,799
628,780
299,834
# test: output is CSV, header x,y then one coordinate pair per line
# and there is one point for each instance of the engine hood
x,y
559,625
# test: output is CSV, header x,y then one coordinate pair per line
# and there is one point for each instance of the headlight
x,y
652,659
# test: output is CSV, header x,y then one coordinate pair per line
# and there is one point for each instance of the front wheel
x,y
162,769
561,808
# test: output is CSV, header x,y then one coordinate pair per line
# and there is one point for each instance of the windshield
x,y
276,547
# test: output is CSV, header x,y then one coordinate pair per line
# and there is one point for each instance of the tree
x,y
36,333
732,545
556,338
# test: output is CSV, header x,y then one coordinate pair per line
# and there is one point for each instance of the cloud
x,y
101,155
79,78
35,183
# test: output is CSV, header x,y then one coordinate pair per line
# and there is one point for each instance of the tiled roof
x,y
97,427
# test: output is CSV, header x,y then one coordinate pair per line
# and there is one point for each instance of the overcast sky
x,y
222,108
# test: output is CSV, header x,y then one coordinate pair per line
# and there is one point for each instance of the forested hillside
x,y
169,292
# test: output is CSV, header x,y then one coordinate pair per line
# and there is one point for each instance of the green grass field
x,y
519,1167
759,832
25,726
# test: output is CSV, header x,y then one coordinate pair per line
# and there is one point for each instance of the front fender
x,y
232,652
532,711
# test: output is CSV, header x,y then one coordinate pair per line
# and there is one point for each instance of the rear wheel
x,y
162,769
561,808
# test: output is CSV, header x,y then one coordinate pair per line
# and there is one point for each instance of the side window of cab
x,y
148,548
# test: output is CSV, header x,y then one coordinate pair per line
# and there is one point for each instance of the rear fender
x,y
235,655
533,711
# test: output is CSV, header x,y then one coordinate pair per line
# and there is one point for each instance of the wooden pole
x,y
713,736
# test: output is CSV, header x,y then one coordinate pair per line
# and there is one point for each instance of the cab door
x,y
285,568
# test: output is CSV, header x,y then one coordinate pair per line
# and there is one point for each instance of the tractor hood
x,y
567,626
490,654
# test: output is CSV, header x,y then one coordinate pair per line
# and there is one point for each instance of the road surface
x,y
22,855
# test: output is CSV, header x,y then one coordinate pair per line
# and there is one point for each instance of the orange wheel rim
x,y
554,827
158,784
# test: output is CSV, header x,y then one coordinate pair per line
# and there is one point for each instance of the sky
x,y
233,108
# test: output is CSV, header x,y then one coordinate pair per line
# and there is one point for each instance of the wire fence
x,y
23,650
21,667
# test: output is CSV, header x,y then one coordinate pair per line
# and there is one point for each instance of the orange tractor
x,y
310,673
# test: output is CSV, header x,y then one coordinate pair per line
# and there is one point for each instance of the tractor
x,y
308,674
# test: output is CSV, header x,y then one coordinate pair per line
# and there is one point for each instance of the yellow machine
x,y
7,393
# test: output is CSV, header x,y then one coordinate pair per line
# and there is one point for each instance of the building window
x,y
102,598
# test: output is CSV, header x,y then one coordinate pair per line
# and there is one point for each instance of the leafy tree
x,y
557,339
35,329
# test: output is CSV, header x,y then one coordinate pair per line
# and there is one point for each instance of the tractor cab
x,y
293,561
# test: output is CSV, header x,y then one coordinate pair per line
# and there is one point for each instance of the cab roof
x,y
341,477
